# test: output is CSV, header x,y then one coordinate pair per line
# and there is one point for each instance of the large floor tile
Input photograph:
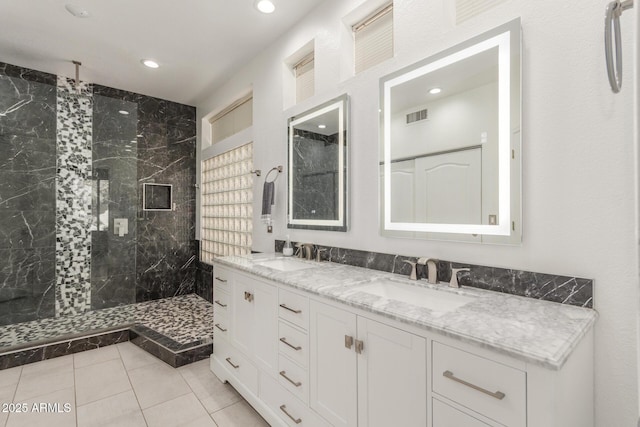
x,y
157,383
134,357
10,376
121,410
91,357
95,382
44,381
213,393
51,416
182,411
58,364
6,396
240,414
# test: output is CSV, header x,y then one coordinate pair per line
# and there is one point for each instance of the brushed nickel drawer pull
x,y
220,304
248,296
284,375
284,409
348,341
290,309
228,359
359,346
217,325
220,280
296,348
498,394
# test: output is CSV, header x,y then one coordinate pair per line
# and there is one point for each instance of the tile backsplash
x,y
549,287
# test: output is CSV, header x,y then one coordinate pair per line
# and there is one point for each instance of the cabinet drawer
x,y
286,406
220,325
492,389
293,343
222,277
237,364
221,300
447,416
294,308
293,378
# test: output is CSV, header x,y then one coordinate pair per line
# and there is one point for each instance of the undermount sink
x,y
284,264
433,299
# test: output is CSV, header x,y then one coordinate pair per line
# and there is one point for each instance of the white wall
x,y
579,190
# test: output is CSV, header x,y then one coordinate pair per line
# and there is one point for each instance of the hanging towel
x,y
268,192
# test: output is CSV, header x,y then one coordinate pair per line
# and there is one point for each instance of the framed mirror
x,y
317,173
450,159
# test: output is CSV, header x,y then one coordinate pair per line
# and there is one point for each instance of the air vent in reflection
x,y
417,116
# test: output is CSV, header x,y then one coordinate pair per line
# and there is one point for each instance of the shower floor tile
x,y
180,322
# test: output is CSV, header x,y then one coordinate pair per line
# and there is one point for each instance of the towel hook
x,y
277,168
612,23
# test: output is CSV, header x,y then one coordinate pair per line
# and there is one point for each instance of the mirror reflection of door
x,y
448,188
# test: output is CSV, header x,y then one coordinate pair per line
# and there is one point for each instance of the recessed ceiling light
x,y
123,112
149,63
322,126
435,90
265,6
76,11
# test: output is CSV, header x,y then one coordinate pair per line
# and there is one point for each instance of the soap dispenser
x,y
287,249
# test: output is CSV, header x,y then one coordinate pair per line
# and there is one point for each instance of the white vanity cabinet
x,y
302,359
365,373
255,320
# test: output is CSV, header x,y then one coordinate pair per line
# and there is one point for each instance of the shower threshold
x,y
177,330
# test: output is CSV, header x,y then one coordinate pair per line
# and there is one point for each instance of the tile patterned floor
x,y
120,385
185,319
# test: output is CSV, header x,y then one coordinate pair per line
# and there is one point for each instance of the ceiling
x,y
198,43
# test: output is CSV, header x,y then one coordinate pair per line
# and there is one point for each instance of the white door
x,y
333,370
449,188
392,377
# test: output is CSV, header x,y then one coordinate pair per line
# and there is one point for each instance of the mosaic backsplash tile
x,y
548,287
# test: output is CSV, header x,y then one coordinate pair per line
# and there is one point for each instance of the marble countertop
x,y
531,330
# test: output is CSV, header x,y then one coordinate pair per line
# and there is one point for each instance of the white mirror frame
x,y
503,41
341,104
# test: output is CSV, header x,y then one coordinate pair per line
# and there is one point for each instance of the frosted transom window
x,y
227,204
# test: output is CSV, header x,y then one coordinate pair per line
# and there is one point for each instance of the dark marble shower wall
x,y
27,194
165,247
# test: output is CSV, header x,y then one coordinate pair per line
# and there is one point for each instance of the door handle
x,y
348,341
228,359
248,296
295,383
359,346
498,394
296,348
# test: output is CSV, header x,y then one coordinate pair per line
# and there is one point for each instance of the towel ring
x,y
277,168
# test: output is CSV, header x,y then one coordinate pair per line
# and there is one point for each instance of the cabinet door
x,y
392,376
333,370
265,326
243,322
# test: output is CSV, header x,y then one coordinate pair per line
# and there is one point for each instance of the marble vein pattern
x,y
549,287
27,194
185,319
73,202
535,331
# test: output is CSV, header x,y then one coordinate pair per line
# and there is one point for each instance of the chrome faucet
x,y
454,276
413,275
431,268
307,250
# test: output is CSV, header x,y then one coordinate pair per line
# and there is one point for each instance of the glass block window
x,y
227,204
